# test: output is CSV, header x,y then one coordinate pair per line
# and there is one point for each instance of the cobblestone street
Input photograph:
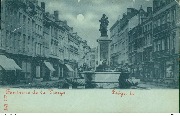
x,y
153,85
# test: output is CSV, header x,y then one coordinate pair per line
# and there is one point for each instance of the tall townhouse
x,y
22,37
140,46
119,35
81,53
73,42
69,63
53,34
166,33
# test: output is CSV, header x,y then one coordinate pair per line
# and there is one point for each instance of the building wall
x,y
119,35
30,36
22,33
140,50
166,38
153,42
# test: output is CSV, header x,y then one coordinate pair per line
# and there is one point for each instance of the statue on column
x,y
103,26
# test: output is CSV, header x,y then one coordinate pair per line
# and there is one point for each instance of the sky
x,y
84,15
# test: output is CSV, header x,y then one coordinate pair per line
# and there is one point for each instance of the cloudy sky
x,y
84,15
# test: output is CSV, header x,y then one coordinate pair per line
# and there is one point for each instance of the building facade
x,y
42,45
140,46
153,42
166,33
22,35
119,35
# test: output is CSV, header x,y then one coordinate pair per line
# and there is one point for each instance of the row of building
x,y
40,45
147,42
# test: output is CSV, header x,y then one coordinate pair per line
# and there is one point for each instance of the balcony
x,y
148,46
163,27
161,54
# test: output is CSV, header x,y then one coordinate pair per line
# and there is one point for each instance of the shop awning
x,y
69,68
12,62
8,64
5,64
49,66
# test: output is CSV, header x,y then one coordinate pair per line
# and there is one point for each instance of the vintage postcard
x,y
108,56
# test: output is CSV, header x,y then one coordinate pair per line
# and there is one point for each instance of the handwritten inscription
x,y
5,103
34,92
5,97
6,107
9,92
120,93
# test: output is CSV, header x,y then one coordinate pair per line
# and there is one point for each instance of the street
x,y
60,83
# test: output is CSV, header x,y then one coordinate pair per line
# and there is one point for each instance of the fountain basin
x,y
102,79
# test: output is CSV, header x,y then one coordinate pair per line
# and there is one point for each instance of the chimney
x,y
129,11
124,15
56,15
43,5
65,22
149,11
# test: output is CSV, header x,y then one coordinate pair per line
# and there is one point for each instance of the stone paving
x,y
59,84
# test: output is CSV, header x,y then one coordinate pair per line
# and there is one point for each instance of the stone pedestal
x,y
104,50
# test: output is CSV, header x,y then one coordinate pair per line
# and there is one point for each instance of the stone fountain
x,y
103,77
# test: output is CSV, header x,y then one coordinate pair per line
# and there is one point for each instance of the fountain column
x,y
104,42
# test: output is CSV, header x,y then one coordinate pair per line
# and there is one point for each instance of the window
x,y
40,49
163,44
155,24
163,20
36,27
11,40
155,46
159,22
33,24
24,19
19,42
20,15
150,37
15,41
23,66
168,43
145,27
28,21
7,40
159,45
173,40
36,48
173,15
28,46
150,26
24,43
168,17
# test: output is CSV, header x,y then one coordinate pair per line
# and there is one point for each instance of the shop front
x,y
47,71
69,72
37,70
8,70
